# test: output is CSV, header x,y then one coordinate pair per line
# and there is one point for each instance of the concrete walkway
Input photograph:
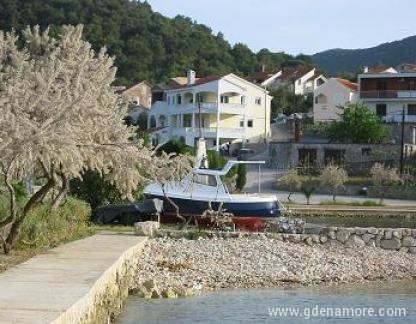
x,y
46,286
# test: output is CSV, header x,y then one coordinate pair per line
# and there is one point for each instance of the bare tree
x,y
334,177
292,180
58,117
167,169
383,176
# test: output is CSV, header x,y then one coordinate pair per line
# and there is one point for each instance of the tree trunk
x,y
33,202
177,213
288,197
61,194
333,196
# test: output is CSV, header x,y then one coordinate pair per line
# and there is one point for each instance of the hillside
x,y
146,44
335,61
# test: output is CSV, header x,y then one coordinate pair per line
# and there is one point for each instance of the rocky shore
x,y
179,267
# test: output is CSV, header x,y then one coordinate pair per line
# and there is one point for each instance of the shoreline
x,y
171,268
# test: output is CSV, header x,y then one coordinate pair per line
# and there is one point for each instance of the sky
x,y
300,26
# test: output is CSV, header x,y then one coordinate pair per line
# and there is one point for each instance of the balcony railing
x,y
225,132
388,94
210,107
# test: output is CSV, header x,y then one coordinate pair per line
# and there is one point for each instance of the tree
x,y
358,125
292,180
241,179
59,116
334,177
383,176
94,189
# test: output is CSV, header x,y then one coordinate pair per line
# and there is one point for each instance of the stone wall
x,y
358,156
399,239
105,299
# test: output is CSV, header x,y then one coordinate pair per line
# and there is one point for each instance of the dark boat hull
x,y
261,209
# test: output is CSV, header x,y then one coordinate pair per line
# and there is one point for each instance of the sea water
x,y
391,302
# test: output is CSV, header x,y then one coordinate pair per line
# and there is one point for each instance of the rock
x,y
315,238
397,234
169,293
392,244
408,241
414,233
372,243
354,241
360,231
367,237
146,228
372,230
149,284
295,238
378,240
388,234
404,249
412,249
308,240
343,235
323,239
332,235
156,293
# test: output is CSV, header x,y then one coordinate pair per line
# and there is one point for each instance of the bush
x,y
45,228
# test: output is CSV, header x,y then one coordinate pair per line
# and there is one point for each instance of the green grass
x,y
365,203
44,228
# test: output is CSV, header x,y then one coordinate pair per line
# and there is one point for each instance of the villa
x,y
222,109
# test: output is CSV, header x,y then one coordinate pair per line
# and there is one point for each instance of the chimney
x,y
191,75
365,70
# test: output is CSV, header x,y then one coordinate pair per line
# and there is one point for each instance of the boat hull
x,y
261,209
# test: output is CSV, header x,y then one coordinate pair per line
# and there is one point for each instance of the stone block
x,y
408,241
392,244
343,235
354,241
367,237
146,228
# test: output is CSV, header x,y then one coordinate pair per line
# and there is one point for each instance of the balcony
x,y
223,132
388,94
209,108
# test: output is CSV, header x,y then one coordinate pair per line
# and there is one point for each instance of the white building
x,y
388,92
330,97
221,109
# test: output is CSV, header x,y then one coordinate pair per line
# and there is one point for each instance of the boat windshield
x,y
205,179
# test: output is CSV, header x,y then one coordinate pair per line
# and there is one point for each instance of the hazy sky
x,y
296,26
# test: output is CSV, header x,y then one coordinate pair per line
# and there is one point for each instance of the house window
x,y
381,110
411,109
242,123
179,99
258,101
299,82
168,100
250,123
243,100
316,99
225,99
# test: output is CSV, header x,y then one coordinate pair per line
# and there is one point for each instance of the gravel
x,y
174,267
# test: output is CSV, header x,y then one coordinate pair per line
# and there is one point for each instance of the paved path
x,y
39,290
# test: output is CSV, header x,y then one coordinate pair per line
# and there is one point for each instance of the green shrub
x,y
44,227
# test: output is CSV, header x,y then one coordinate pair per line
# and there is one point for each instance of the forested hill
x,y
336,61
146,44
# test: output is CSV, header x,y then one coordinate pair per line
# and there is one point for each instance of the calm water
x,y
252,306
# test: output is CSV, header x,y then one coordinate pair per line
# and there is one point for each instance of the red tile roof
x,y
198,81
353,86
260,76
